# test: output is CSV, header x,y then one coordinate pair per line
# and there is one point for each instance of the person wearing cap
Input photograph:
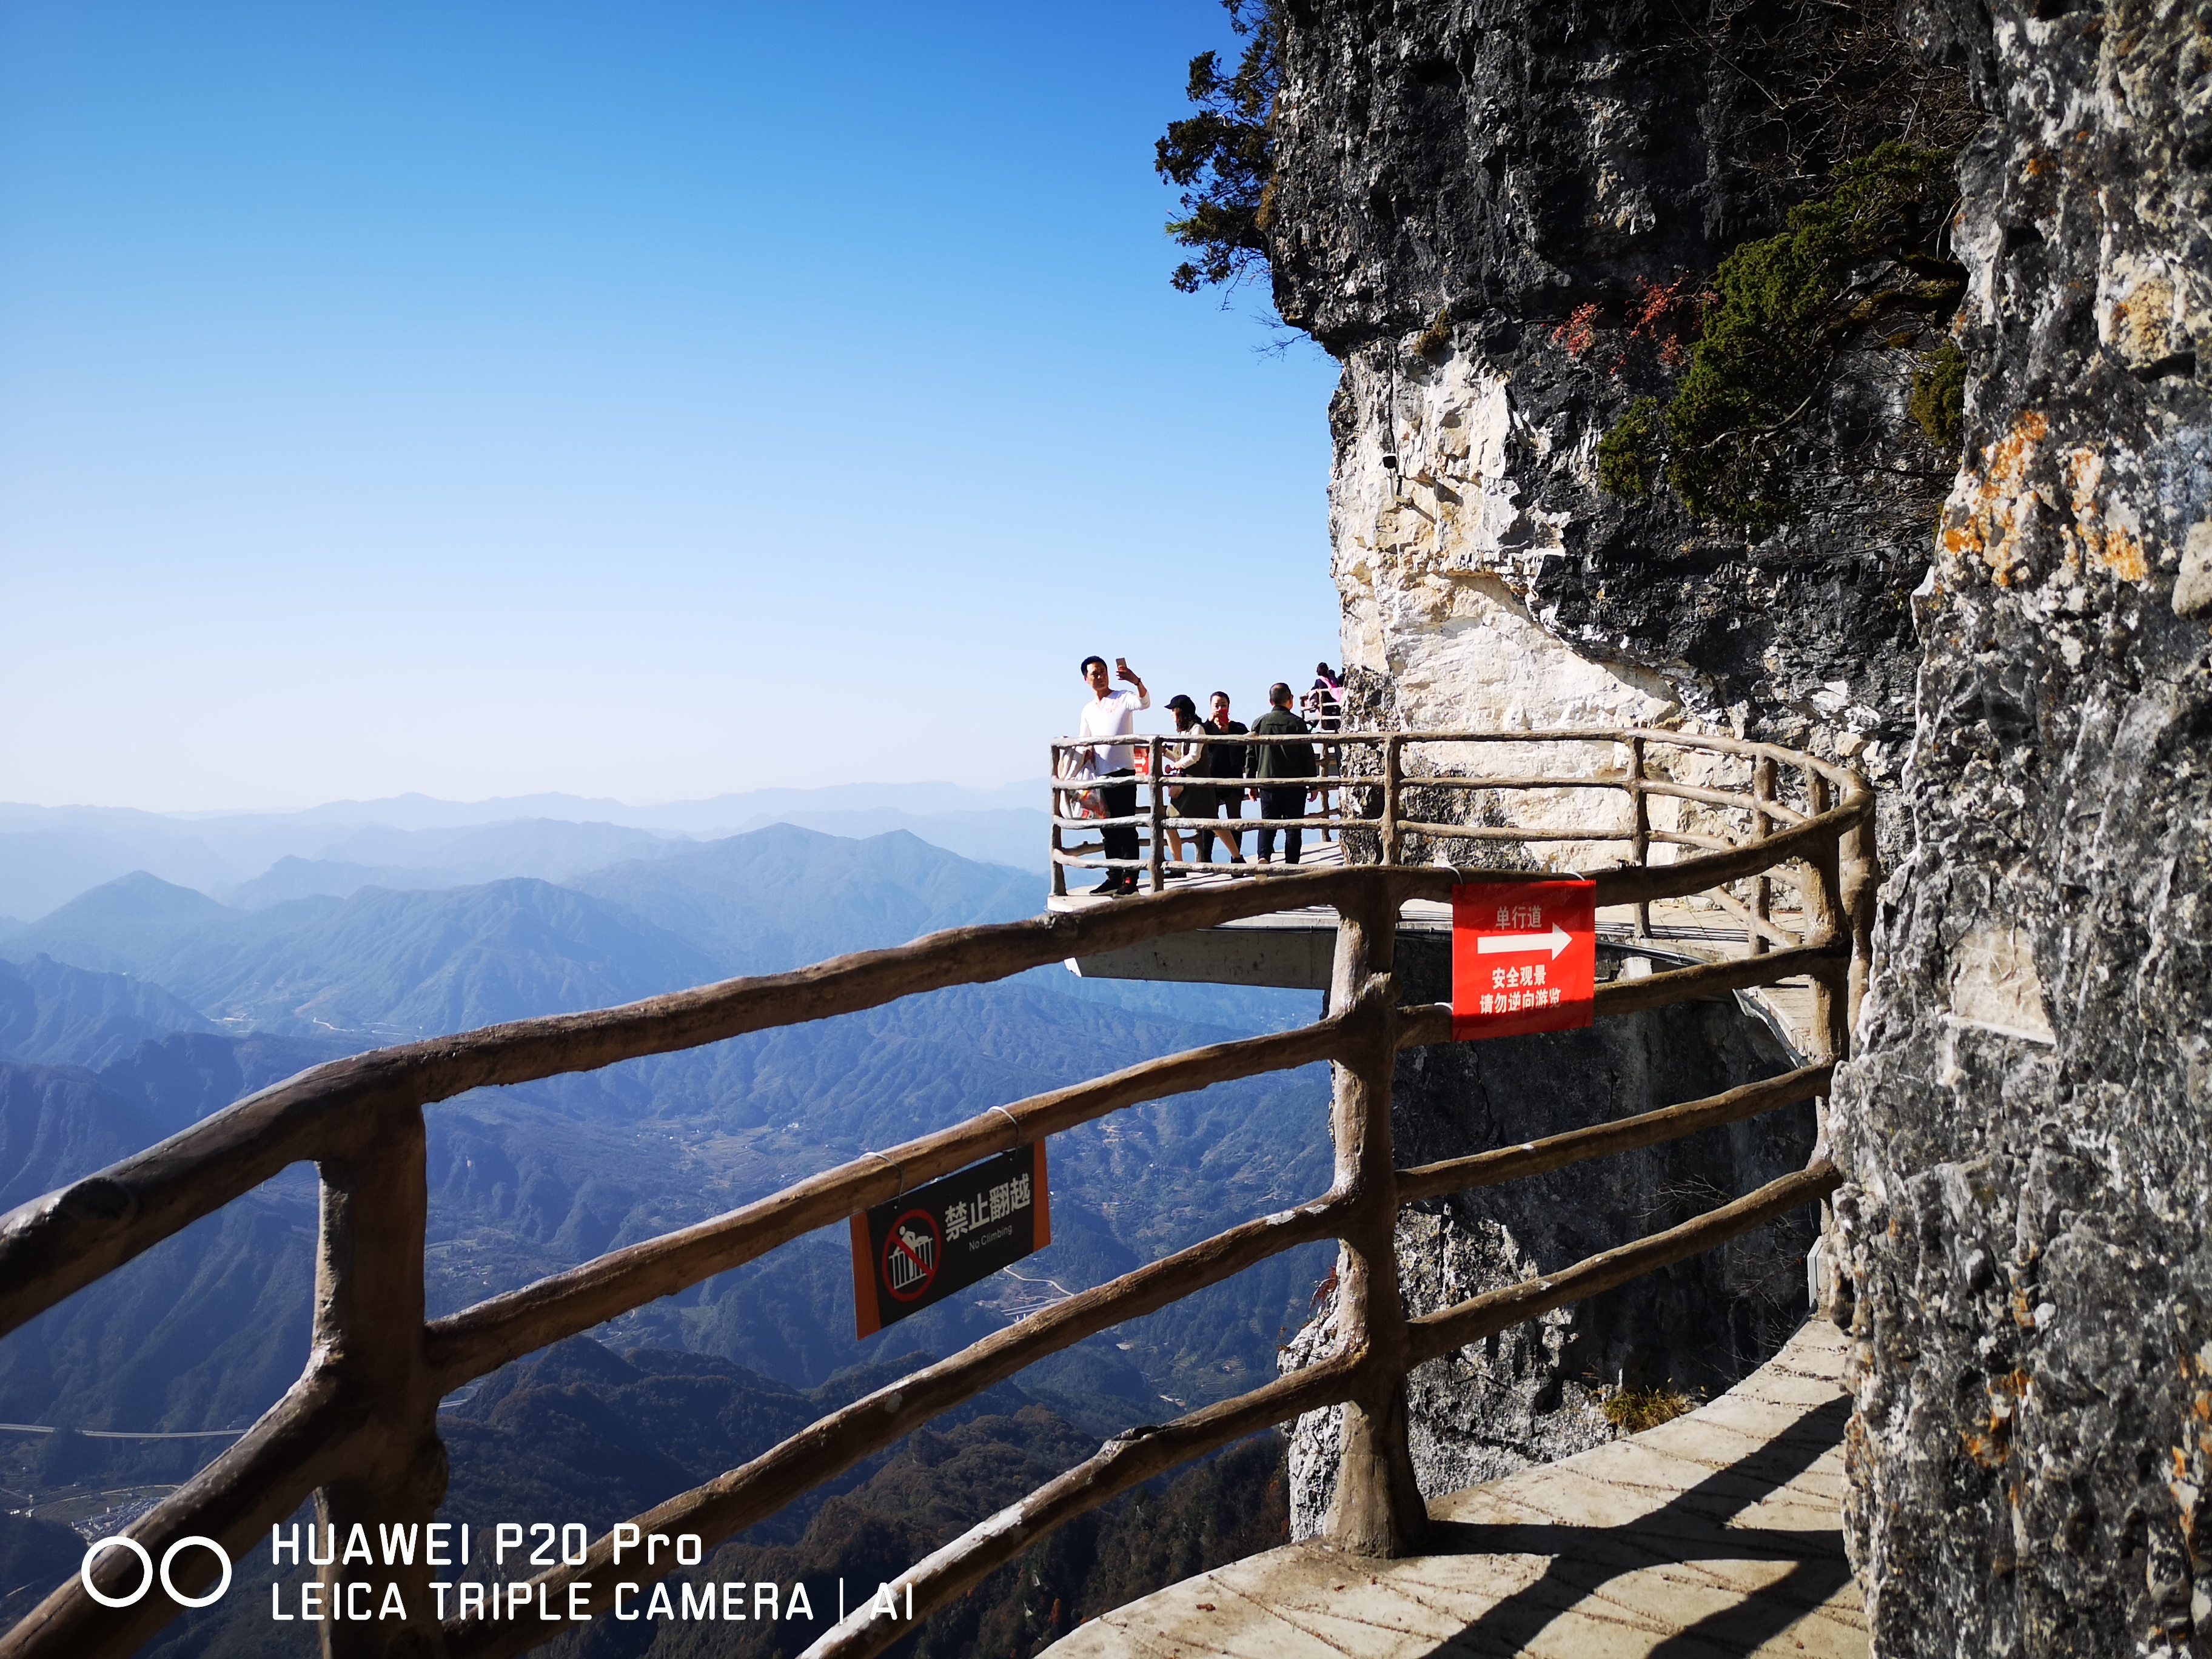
x,y
1186,800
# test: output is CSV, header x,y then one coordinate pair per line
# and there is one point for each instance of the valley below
x,y
139,1006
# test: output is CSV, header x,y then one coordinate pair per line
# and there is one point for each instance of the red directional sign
x,y
1524,956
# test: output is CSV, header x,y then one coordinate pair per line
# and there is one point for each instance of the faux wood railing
x,y
359,1430
1370,775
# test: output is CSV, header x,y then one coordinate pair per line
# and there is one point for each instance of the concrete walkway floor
x,y
1715,1534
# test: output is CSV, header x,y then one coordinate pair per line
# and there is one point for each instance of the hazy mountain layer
x,y
782,896
376,855
529,1180
49,855
53,1014
552,848
403,964
290,879
1017,836
391,965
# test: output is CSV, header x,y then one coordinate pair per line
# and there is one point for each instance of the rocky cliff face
x,y
1473,204
1473,208
2026,1133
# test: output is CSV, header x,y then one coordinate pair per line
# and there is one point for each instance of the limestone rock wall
x,y
1454,181
2027,1135
1457,181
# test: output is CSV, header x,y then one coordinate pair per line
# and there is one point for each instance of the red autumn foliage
x,y
1667,319
1576,333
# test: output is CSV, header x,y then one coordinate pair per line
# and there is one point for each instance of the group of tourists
x,y
1214,778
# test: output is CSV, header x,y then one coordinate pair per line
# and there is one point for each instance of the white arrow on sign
x,y
1492,945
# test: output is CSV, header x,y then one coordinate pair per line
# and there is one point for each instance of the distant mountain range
x,y
49,855
414,812
53,1014
399,964
387,966
141,1006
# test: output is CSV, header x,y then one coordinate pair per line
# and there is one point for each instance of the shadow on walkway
x,y
1692,1528
1715,1537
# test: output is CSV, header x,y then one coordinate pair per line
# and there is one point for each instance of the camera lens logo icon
x,y
146,1565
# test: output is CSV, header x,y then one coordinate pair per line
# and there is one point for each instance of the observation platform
x,y
1392,788
1292,949
1714,1536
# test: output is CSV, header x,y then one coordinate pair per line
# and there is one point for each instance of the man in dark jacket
x,y
1274,764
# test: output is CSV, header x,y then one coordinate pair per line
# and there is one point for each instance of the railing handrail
x,y
1385,789
62,1240
1714,743
360,1426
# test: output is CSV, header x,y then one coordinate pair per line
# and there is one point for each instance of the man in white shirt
x,y
1111,714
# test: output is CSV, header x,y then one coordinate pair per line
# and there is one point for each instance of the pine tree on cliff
x,y
1221,156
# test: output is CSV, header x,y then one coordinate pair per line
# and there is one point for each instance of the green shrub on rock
x,y
1785,304
1939,396
1629,450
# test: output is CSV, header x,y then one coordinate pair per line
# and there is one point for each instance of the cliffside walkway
x,y
1716,1534
1577,800
359,1431
1294,949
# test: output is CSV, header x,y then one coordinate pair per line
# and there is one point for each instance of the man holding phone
x,y
1109,714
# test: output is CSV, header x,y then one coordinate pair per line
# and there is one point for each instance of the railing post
x,y
1861,876
1377,1509
1639,838
368,1326
1762,888
1392,770
1825,922
1059,800
1157,812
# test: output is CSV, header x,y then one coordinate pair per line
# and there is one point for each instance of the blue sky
x,y
646,400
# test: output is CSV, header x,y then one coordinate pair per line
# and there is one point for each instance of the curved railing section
x,y
358,1430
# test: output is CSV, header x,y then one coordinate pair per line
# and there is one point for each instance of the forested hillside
x,y
141,1006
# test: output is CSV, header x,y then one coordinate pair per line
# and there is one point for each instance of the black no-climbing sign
x,y
924,1245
